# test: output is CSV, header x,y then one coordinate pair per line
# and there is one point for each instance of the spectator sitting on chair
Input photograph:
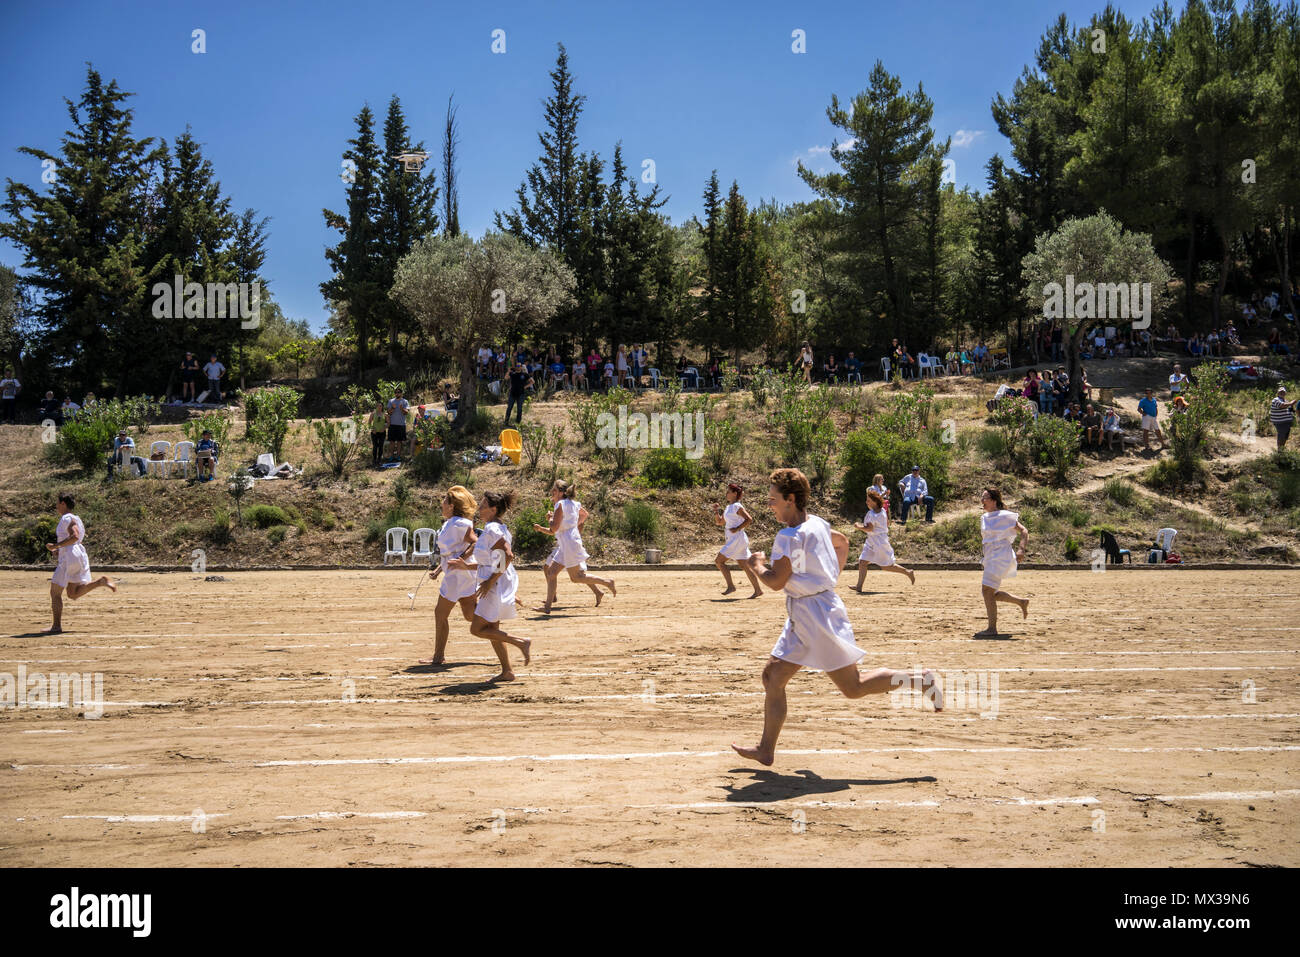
x,y
830,369
579,374
1281,414
1073,414
607,379
1033,387
49,410
68,410
123,449
852,367
1091,427
983,358
916,492
206,453
559,375
1275,343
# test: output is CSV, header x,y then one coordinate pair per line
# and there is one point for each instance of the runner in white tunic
x,y
806,560
567,519
459,586
999,529
735,519
876,550
493,567
73,569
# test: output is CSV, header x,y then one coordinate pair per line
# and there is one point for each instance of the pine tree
x,y
84,242
450,181
247,254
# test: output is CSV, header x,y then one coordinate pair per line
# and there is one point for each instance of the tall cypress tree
x,y
450,180
84,242
247,254
357,259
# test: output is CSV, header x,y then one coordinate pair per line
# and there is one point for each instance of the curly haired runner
x,y
73,568
735,519
455,540
806,560
567,518
493,564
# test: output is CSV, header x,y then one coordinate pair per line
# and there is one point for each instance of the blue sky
x,y
692,86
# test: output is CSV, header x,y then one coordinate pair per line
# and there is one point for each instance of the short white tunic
x,y
817,632
499,603
568,543
998,529
876,549
737,543
74,562
456,583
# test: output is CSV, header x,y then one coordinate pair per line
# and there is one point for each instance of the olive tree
x,y
466,293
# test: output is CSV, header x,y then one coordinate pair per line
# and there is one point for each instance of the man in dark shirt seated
x,y
852,366
51,409
1091,427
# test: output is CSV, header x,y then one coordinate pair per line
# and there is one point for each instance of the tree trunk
x,y
1223,280
1189,280
468,391
1073,362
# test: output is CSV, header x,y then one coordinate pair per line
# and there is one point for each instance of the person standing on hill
x,y
214,370
397,408
1282,414
519,384
9,389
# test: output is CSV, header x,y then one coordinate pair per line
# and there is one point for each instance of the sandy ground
x,y
1139,719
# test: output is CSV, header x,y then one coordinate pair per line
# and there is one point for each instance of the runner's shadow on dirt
x,y
39,634
728,601
435,669
468,688
1000,636
772,786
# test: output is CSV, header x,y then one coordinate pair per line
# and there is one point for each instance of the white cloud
x,y
819,152
964,138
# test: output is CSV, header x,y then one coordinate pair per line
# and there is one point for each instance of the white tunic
x,y
737,544
456,583
568,543
876,549
998,530
498,603
74,562
817,632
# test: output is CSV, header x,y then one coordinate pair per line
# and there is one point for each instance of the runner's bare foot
x,y
856,588
526,647
108,584
52,631
544,610
930,688
599,595
911,576
758,593
504,676
1024,607
729,589
755,754
432,661
986,633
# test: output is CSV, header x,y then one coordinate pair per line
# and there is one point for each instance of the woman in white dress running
x,y
999,529
735,519
73,569
459,586
806,560
567,518
493,565
876,549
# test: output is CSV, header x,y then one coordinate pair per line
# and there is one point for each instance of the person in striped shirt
x,y
1281,413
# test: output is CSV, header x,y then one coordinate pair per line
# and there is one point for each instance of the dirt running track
x,y
1122,730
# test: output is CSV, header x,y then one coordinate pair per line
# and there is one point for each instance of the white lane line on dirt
x,y
344,815
507,758
1224,796
138,818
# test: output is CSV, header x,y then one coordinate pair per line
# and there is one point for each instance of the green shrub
x,y
30,540
216,421
339,443
1118,491
270,412
427,467
760,386
1055,443
670,468
1072,547
641,523
1207,405
723,440
1288,489
584,415
219,531
992,444
528,542
1014,420
960,534
869,450
401,492
275,535
85,439
264,516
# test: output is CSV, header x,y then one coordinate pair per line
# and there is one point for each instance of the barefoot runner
x,y
493,564
999,529
806,560
735,519
455,540
567,518
73,570
876,549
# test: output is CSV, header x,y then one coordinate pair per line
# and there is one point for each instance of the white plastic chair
x,y
423,544
691,372
884,369
654,377
183,456
1165,538
160,465
850,376
267,459
124,467
396,546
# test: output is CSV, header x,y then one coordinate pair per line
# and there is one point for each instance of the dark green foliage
x,y
641,523
30,540
670,468
264,516
868,451
528,542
